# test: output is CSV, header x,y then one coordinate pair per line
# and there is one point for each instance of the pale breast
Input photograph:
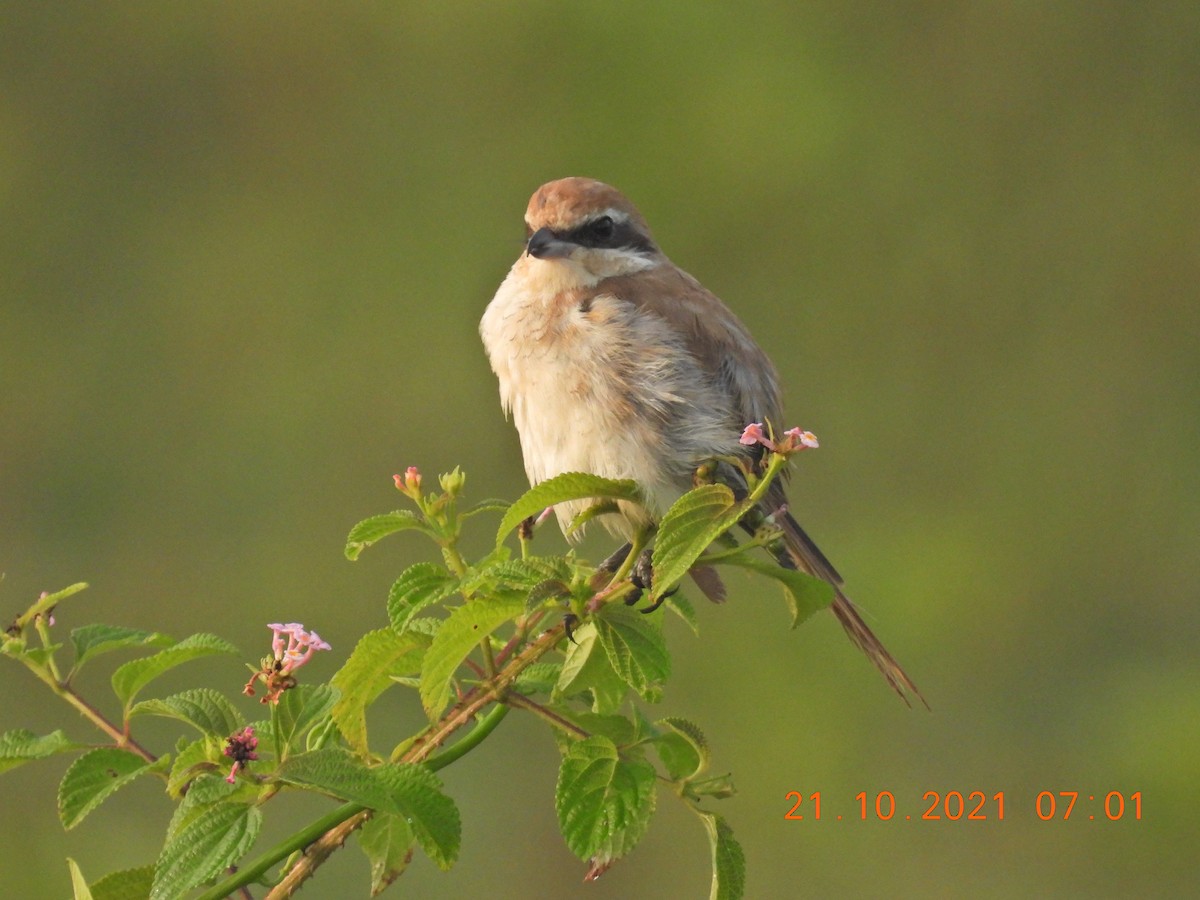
x,y
596,385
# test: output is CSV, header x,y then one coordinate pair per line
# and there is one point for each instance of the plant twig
x,y
316,852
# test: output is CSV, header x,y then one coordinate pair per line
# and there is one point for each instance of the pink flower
x,y
800,439
301,645
409,482
754,435
240,748
276,670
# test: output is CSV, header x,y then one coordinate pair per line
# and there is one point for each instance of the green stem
x,y
470,741
635,550
301,839
709,558
42,627
298,841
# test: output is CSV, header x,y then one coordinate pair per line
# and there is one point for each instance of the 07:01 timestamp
x,y
975,806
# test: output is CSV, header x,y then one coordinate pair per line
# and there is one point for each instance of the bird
x,y
613,361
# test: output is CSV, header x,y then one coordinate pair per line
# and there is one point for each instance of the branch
x,y
463,712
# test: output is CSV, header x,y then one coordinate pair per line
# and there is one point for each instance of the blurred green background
x,y
243,253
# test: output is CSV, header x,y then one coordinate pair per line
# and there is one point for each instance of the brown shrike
x,y
614,361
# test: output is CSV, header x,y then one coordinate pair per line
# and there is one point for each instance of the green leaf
x,y
213,841
431,813
682,607
300,709
368,531
128,884
489,505
560,488
539,678
193,759
635,647
19,746
79,885
728,860
206,792
403,789
378,658
805,594
588,513
417,587
718,786
334,771
90,641
388,842
130,678
682,748
462,631
587,667
526,574
604,802
205,709
96,776
693,522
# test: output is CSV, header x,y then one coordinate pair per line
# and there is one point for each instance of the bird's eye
x,y
603,228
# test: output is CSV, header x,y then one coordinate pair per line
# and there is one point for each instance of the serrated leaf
x,y
89,641
334,771
587,668
191,760
388,842
693,522
216,839
804,594
93,778
19,746
461,632
682,748
130,678
588,513
728,860
205,709
539,678
378,658
560,488
617,728
368,531
526,574
604,802
79,885
635,647
300,709
206,791
418,586
128,884
432,814
400,789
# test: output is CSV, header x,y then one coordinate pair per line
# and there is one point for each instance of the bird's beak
x,y
545,244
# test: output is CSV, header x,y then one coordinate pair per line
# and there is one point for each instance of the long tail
x,y
807,557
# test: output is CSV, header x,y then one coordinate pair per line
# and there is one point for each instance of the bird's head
x,y
588,226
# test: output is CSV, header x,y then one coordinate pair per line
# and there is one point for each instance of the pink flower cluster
x,y
240,748
301,645
286,657
410,482
793,440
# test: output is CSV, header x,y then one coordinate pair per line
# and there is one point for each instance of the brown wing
x,y
714,336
